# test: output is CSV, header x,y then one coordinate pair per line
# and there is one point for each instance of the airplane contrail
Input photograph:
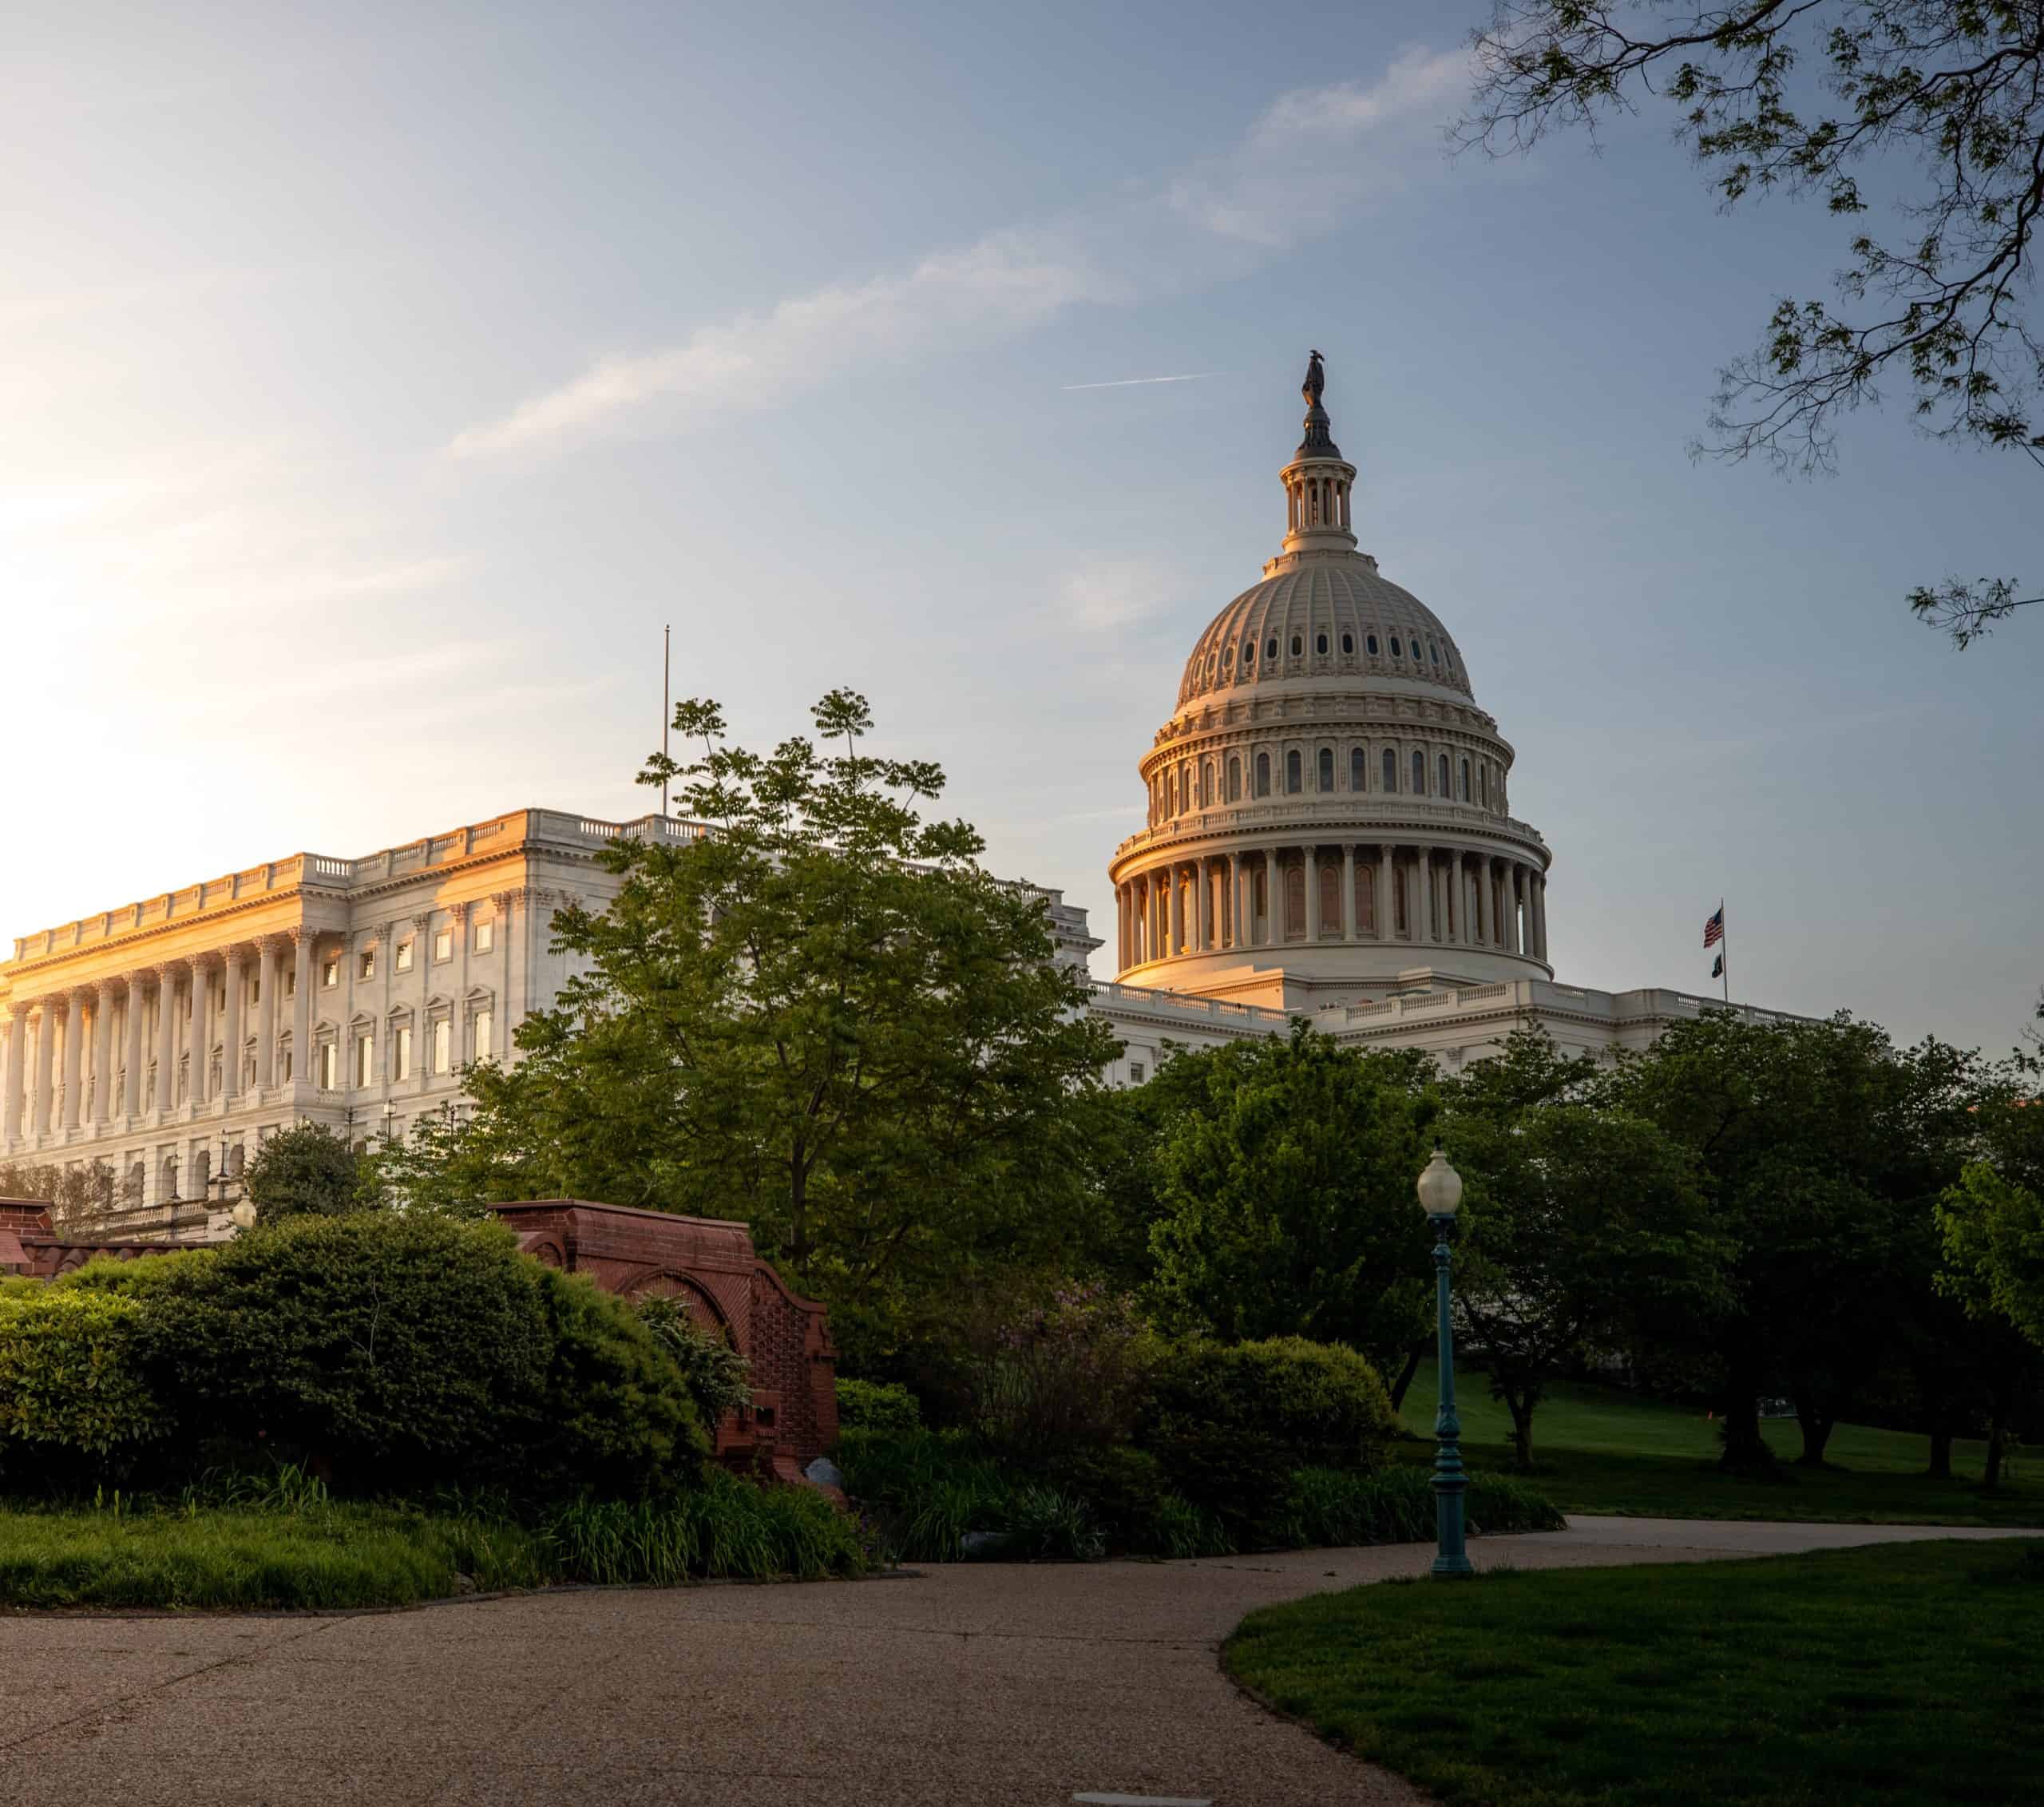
x,y
1132,381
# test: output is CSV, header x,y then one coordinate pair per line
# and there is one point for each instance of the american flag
x,y
1713,930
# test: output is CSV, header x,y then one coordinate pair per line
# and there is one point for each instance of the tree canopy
x,y
1928,112
823,1017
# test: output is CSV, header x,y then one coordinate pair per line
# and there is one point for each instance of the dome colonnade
x,y
1327,797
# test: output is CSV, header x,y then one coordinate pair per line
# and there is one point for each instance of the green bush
x,y
1232,1422
408,1351
877,1406
615,1414
726,1527
719,1379
69,1377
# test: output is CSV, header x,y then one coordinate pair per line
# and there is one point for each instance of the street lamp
x,y
1440,1191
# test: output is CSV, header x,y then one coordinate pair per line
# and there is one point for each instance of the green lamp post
x,y
1440,1191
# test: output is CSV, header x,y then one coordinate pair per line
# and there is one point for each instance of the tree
x,y
307,1171
72,1194
1818,1146
1952,89
823,1017
1287,1196
1580,1223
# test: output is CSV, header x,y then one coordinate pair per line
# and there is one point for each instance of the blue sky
x,y
377,384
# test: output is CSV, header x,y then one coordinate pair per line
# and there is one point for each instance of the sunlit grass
x,y
1601,1449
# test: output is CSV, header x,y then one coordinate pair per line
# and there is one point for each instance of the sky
x,y
376,383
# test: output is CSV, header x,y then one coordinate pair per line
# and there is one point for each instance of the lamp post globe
x,y
1440,1193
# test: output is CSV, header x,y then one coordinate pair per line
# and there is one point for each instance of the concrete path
x,y
986,1684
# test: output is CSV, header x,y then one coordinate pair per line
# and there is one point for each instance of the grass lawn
x,y
300,1548
1600,1449
1908,1673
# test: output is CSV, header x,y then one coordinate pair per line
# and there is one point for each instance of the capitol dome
x,y
1328,820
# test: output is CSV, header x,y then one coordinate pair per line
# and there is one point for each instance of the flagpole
x,y
1724,953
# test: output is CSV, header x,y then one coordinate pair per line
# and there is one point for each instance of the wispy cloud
x,y
1137,381
1314,159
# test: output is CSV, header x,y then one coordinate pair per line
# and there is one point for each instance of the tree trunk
x,y
1522,1431
1413,1357
1816,1425
1940,1468
1745,1453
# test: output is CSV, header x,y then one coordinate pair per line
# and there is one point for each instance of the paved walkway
x,y
990,1683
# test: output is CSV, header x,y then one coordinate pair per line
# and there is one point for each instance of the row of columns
x,y
1446,897
33,1098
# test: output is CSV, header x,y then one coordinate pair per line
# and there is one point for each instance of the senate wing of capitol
x,y
1327,834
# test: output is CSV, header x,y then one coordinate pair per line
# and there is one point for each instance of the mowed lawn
x,y
1599,1449
1899,1673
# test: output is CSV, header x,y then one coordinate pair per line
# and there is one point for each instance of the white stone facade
x,y
165,1037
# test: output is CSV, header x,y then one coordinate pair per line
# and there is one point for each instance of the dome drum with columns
x,y
1328,814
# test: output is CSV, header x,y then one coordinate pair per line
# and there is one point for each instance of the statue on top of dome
x,y
1316,382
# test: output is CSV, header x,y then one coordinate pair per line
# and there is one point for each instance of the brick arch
x,y
704,1311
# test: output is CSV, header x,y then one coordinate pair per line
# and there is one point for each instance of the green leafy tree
x,y
307,1171
1819,1147
1581,1224
1287,1200
823,1017
1931,111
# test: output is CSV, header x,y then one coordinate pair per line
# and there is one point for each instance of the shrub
x,y
305,1172
1068,1375
877,1406
69,1378
615,1414
719,1379
1231,1422
408,1351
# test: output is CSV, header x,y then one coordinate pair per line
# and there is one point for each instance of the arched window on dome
x,y
1299,645
1390,770
1395,652
1235,779
1369,642
1295,780
1319,644
1356,768
1327,768
1447,790
1419,774
1465,781
1263,774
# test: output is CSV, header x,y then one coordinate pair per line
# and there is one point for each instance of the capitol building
x,y
1326,833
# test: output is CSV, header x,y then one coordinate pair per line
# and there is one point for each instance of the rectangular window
x,y
443,944
364,1059
486,936
330,972
404,962
366,966
483,1049
330,1065
401,1054
443,1042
